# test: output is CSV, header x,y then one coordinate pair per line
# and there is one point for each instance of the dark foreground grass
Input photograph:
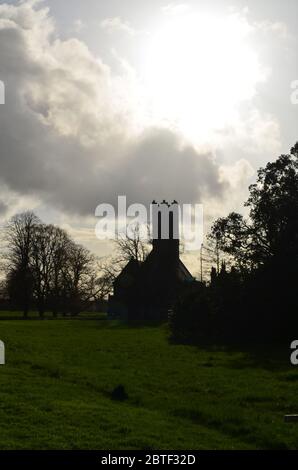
x,y
56,391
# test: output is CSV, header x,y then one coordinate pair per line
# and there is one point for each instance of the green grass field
x,y
55,391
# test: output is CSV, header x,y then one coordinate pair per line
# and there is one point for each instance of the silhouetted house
x,y
146,291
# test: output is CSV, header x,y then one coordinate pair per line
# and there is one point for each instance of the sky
x,y
152,100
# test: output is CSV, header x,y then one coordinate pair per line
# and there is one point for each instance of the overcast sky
x,y
151,100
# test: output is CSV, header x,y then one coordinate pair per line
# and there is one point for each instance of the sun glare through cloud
x,y
197,70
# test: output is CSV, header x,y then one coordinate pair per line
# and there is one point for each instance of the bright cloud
x,y
117,24
67,132
74,133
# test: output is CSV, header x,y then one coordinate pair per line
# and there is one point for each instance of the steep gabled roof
x,y
183,273
130,270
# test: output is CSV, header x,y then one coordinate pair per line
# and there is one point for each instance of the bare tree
x,y
49,256
132,246
128,247
46,268
78,277
59,261
108,270
19,240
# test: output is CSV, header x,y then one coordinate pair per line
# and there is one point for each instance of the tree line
x,y
256,299
46,270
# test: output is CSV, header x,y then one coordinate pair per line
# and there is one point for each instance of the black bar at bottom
x,y
135,459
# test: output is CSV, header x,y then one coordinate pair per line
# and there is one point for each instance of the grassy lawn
x,y
55,391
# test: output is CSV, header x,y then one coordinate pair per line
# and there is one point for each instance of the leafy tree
x,y
257,301
272,227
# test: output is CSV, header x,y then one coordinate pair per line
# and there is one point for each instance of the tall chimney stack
x,y
165,228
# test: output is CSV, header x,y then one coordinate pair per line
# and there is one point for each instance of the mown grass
x,y
55,391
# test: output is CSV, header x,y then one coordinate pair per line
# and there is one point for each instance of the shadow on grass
x,y
271,356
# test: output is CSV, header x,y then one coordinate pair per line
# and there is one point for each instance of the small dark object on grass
x,y
119,393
